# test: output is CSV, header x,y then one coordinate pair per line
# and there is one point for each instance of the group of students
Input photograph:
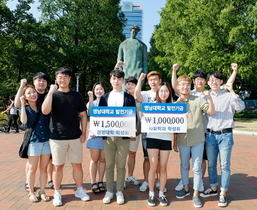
x,y
63,128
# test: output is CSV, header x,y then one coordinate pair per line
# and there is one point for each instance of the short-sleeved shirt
x,y
64,121
41,97
13,110
148,96
195,129
41,131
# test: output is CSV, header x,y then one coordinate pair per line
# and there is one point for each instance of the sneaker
x,y
201,186
120,197
132,180
197,202
80,193
57,201
209,192
180,186
108,196
151,201
183,193
222,201
163,200
143,187
157,185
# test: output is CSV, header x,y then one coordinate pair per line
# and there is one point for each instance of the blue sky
x,y
151,15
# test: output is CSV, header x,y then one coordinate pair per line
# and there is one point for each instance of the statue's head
x,y
134,30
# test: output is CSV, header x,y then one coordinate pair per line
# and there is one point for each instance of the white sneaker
x,y
57,201
201,186
132,180
143,187
80,193
120,197
180,186
157,185
108,196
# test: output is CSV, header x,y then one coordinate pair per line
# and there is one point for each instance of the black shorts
x,y
158,144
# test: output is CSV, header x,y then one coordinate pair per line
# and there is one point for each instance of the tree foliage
x,y
89,33
208,35
82,35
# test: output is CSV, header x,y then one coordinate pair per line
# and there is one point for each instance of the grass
x,y
246,124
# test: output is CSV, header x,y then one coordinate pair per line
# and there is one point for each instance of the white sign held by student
x,y
113,121
164,118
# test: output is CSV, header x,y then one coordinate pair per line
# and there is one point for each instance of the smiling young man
x,y
116,148
66,138
192,142
220,134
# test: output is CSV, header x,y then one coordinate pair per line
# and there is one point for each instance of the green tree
x,y
26,47
153,56
209,35
89,33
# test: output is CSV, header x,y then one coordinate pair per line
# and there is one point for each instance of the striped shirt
x,y
225,107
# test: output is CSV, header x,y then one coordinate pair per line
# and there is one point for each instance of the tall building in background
x,y
134,16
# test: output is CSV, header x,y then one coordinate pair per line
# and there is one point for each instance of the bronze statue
x,y
133,55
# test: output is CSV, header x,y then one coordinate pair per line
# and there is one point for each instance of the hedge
x,y
246,114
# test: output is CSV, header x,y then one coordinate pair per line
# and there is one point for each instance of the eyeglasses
x,y
200,80
185,84
214,80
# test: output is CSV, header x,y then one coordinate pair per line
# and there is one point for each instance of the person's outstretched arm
x,y
23,116
47,104
137,94
175,68
17,102
211,109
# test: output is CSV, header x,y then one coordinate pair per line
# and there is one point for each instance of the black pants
x,y
13,119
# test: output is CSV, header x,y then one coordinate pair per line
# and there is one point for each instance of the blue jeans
x,y
197,157
219,144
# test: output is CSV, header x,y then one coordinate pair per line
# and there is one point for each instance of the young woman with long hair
x,y
95,144
39,148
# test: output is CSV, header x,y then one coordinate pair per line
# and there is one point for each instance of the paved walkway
x,y
242,192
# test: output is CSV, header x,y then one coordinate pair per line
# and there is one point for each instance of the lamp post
x,y
77,77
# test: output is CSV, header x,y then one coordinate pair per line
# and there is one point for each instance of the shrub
x,y
246,114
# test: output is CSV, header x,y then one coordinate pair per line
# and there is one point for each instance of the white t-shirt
x,y
13,110
116,99
148,96
160,136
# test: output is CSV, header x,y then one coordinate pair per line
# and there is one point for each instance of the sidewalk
x,y
242,193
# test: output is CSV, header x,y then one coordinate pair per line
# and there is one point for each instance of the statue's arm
x,y
120,56
144,60
120,53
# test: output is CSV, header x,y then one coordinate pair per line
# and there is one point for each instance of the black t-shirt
x,y
64,123
41,97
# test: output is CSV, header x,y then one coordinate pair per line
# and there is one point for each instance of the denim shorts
x,y
95,143
39,148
